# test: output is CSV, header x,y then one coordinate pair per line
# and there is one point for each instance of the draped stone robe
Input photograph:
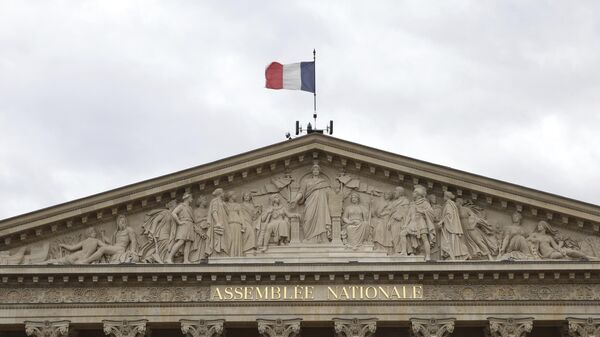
x,y
452,240
217,214
316,209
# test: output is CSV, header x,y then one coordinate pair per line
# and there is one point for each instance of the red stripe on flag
x,y
274,76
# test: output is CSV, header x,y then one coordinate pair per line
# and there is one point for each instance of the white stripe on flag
x,y
292,78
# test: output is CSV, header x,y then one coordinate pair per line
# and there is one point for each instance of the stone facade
x,y
314,234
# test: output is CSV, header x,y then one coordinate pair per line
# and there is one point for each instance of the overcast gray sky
x,y
99,94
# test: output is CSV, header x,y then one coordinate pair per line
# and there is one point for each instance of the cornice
x,y
547,272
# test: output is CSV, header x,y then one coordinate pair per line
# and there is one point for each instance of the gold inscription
x,y
318,293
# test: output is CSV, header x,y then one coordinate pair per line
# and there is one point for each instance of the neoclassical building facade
x,y
310,237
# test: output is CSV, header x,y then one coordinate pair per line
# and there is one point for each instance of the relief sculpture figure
x,y
184,235
250,222
216,220
479,234
436,248
514,245
159,227
421,227
81,251
452,238
275,224
546,247
356,221
397,221
317,219
123,247
198,251
382,236
234,230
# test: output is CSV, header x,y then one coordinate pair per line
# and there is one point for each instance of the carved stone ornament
x,y
202,328
125,328
510,327
355,327
432,327
584,327
279,327
47,328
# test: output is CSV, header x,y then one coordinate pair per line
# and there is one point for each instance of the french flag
x,y
294,76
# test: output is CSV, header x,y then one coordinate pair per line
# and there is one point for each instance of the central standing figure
x,y
313,192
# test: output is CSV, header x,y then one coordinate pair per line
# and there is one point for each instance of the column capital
x,y
279,327
47,328
355,327
125,328
421,327
510,327
584,327
202,328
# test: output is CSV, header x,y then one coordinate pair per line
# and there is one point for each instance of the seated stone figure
x,y
123,247
81,251
275,222
514,244
355,219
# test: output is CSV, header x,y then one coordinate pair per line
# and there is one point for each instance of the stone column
x,y
355,327
420,327
124,328
584,327
202,328
509,327
279,327
47,328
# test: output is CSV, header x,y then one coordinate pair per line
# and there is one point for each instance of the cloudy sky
x,y
98,94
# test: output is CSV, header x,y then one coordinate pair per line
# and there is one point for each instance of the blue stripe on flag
x,y
307,74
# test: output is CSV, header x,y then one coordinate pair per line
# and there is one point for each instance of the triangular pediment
x,y
282,169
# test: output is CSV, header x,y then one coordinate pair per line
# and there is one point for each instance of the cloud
x,y
98,94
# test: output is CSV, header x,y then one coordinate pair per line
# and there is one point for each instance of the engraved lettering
x,y
418,291
238,293
275,293
383,291
330,293
228,293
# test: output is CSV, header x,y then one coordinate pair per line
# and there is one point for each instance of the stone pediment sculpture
x,y
314,198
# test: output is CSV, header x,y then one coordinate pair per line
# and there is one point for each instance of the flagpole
x,y
315,93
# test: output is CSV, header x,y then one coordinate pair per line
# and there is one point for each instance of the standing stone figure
x,y
382,236
198,251
313,193
276,223
184,235
123,247
398,220
217,220
234,229
159,227
250,222
436,249
479,234
452,236
421,228
514,244
355,219
84,249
